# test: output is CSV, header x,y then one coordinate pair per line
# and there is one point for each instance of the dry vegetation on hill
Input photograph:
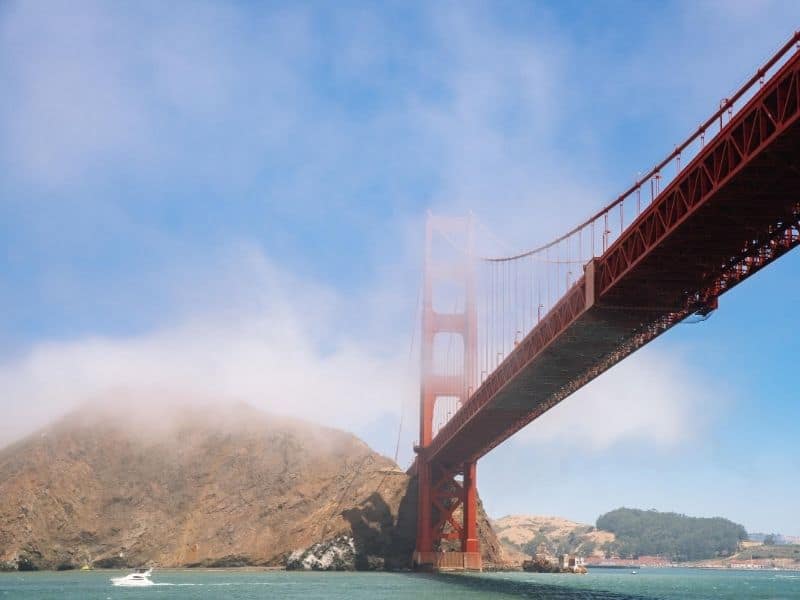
x,y
554,534
181,486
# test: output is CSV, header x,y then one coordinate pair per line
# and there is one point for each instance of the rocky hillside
x,y
551,535
199,486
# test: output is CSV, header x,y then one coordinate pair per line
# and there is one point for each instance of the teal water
x,y
663,584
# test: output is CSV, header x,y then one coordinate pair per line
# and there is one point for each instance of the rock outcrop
x,y
209,486
338,554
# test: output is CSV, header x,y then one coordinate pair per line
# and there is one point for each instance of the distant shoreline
x,y
251,569
699,567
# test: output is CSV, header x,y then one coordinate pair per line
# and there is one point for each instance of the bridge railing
x,y
514,293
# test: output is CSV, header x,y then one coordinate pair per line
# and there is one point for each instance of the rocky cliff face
x,y
210,486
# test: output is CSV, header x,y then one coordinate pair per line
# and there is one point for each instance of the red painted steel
x,y
444,491
728,213
732,210
655,172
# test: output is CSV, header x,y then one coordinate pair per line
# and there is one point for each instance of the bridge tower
x,y
445,490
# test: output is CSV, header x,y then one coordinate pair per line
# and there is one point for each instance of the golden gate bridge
x,y
527,330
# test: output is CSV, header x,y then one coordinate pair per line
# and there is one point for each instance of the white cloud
x,y
94,88
654,398
496,125
275,348
69,104
88,92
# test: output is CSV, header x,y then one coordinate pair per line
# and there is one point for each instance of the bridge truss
x,y
534,327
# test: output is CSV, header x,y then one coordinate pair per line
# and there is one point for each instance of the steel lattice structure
x,y
725,214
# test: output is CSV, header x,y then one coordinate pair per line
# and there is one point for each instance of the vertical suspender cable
x,y
416,324
486,328
503,289
517,308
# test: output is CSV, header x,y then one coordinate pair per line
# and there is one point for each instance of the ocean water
x,y
666,584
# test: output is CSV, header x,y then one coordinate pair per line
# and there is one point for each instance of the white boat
x,y
140,578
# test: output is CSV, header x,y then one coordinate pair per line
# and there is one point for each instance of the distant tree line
x,y
671,535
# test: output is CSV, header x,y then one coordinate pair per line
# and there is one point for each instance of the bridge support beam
x,y
446,492
469,533
424,504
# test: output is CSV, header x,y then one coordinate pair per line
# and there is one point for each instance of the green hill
x,y
675,536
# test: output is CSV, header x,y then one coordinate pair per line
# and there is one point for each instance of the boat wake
x,y
227,583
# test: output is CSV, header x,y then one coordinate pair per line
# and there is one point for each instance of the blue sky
x,y
226,200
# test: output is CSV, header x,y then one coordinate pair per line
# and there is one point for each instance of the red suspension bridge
x,y
528,330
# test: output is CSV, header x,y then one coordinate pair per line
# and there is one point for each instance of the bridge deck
x,y
730,212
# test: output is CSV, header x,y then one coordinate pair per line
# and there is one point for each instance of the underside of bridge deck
x,y
732,211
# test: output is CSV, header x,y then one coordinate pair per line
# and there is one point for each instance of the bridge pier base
x,y
447,517
447,561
